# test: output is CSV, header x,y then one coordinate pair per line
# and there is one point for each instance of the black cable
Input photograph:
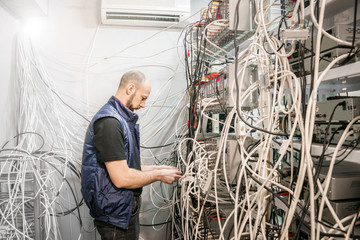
x,y
302,73
323,51
333,135
60,98
312,67
194,93
318,167
20,134
355,145
166,145
271,53
62,159
261,219
155,224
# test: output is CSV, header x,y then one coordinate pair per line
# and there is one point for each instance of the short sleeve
x,y
109,140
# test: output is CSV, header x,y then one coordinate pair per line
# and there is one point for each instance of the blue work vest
x,y
106,202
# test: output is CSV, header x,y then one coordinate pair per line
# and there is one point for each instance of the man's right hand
x,y
124,177
169,174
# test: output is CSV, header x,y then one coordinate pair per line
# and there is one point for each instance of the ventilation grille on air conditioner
x,y
142,17
145,13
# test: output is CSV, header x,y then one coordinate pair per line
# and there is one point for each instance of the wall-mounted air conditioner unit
x,y
145,13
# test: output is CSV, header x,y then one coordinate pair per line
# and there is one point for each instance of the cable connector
x,y
284,146
186,178
209,182
264,80
240,129
295,34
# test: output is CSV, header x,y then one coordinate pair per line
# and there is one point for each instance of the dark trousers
x,y
111,232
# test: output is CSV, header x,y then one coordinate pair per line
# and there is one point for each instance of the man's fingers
x,y
171,175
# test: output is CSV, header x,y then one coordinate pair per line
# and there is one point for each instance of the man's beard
x,y
129,102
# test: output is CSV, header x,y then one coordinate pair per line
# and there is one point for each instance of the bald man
x,y
112,176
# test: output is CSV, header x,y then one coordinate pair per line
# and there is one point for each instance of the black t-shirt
x,y
109,143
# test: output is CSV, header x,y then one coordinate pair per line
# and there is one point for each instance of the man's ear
x,y
130,89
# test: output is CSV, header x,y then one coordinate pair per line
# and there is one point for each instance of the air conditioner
x,y
145,13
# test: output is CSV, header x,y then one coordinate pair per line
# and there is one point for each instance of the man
x,y
112,176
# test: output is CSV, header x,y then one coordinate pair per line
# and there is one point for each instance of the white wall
x,y
8,29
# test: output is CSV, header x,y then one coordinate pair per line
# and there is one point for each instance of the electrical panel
x,y
342,209
347,111
334,131
329,49
344,182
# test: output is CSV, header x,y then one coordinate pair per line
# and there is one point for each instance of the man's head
x,y
134,89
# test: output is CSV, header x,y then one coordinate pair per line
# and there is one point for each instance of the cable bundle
x,y
40,166
270,197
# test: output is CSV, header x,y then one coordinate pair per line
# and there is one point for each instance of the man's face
x,y
138,99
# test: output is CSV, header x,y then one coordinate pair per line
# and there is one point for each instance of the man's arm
x,y
155,167
124,177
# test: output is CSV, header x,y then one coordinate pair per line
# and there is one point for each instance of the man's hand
x,y
169,174
124,177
